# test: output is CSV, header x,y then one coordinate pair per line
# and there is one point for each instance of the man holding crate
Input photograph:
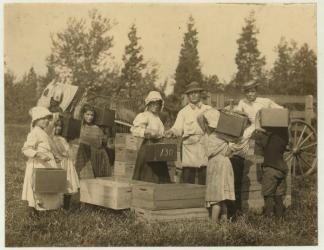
x,y
251,105
194,158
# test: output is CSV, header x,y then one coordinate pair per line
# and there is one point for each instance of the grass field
x,y
94,226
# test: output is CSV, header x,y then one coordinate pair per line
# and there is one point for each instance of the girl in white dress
x,y
38,150
62,152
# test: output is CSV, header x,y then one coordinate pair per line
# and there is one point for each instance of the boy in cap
x,y
194,157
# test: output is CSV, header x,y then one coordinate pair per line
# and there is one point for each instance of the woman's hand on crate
x,y
169,134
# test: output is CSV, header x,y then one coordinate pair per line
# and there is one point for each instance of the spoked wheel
x,y
302,155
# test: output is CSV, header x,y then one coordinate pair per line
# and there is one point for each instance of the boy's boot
x,y
279,206
66,201
269,205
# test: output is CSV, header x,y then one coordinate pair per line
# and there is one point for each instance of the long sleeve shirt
x,y
186,123
252,108
147,121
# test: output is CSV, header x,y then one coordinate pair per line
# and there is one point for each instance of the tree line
x,y
81,55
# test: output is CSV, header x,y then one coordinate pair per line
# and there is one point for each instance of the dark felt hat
x,y
249,85
193,86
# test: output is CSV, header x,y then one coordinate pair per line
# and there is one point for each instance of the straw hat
x,y
193,86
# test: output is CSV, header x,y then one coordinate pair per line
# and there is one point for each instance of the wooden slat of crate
x,y
106,192
168,204
125,169
125,155
168,196
171,214
127,141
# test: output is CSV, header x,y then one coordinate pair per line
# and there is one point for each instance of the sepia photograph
x,y
163,124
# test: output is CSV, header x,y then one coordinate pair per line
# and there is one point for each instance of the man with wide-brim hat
x,y
251,104
194,157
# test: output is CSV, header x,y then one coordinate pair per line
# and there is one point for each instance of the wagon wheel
x,y
302,154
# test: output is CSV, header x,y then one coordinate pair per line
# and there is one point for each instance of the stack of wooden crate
x,y
126,148
163,202
107,192
251,196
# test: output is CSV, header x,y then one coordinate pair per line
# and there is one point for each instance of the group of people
x,y
211,159
206,155
45,147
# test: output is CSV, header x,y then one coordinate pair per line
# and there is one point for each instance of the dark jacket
x,y
274,147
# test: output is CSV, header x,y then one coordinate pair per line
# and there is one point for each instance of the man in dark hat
x,y
194,158
250,105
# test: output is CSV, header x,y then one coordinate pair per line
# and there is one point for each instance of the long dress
x,y
220,176
156,172
38,141
62,149
91,149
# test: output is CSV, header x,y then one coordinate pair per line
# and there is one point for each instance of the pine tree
x,y
188,68
304,75
280,74
248,58
134,81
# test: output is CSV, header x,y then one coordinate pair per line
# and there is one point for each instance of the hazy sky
x,y
161,27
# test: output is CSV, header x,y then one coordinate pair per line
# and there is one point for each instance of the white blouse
x,y
147,120
252,108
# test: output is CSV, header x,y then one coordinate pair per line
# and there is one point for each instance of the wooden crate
x,y
124,169
231,124
161,152
104,117
168,196
170,214
50,180
125,155
127,141
270,117
71,128
107,192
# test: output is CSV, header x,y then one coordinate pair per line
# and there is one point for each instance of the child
x,y
275,170
63,153
220,178
149,126
37,149
92,145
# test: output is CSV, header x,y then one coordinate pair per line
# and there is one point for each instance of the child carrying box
x,y
62,151
274,141
38,150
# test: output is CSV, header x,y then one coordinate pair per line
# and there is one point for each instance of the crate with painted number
x,y
161,152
